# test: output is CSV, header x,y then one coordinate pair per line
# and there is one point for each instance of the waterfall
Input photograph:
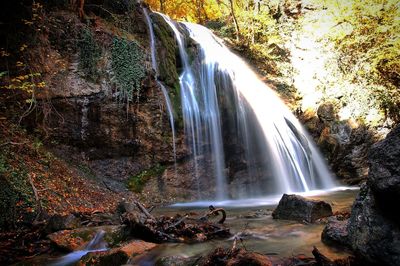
x,y
163,89
232,118
97,244
201,116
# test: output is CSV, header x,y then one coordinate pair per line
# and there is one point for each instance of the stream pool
x,y
258,231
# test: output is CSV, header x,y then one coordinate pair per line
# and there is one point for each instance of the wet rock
x,y
58,222
167,52
297,208
328,143
372,235
335,233
78,239
100,218
128,211
117,256
351,159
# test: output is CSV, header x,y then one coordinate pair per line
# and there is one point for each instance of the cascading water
x,y
95,245
221,94
201,116
163,89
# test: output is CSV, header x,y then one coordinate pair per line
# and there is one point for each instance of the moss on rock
x,y
168,62
137,182
167,51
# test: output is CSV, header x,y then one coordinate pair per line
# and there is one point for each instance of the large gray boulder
x,y
374,226
297,208
373,236
384,173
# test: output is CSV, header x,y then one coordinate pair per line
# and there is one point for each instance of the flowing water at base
x,y
259,232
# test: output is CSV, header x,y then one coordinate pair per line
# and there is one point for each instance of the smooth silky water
x,y
97,244
259,232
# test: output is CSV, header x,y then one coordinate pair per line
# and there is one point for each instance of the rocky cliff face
x,y
126,144
344,143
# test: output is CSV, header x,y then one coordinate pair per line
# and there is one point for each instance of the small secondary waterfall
x,y
163,89
95,245
226,105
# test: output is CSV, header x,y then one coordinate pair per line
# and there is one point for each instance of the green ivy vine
x,y
128,68
89,55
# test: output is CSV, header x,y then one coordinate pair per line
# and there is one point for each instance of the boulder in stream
x,y
335,233
297,208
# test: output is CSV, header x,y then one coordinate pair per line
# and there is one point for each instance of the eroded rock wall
x,y
85,123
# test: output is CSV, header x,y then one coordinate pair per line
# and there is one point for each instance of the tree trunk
x,y
162,7
256,11
78,6
235,21
198,12
204,10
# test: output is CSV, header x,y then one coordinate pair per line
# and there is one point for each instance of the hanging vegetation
x,y
128,68
89,55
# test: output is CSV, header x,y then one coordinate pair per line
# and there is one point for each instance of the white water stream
x,y
95,245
